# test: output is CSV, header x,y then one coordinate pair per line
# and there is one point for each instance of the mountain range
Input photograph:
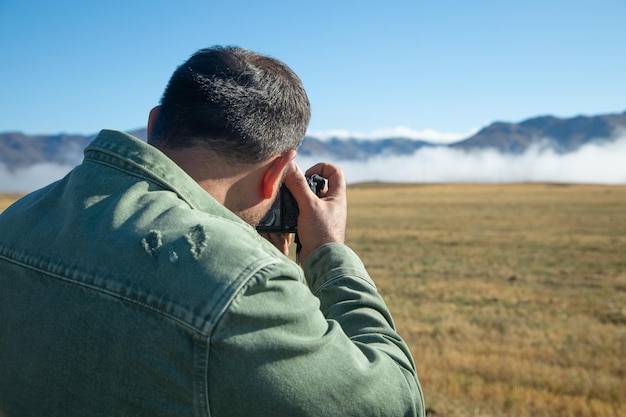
x,y
561,135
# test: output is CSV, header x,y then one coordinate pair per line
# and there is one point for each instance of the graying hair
x,y
243,106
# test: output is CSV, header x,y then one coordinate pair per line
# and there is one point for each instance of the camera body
x,y
283,216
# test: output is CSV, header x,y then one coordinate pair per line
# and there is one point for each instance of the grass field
x,y
511,297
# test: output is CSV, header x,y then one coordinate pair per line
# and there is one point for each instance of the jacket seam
x,y
99,289
134,172
221,305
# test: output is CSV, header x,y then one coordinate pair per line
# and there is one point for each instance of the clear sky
x,y
449,66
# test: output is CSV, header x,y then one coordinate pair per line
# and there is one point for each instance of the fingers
x,y
298,185
333,174
323,219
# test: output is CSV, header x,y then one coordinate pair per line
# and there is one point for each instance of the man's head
x,y
232,119
243,106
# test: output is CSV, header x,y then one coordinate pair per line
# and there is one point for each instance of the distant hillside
x,y
359,148
560,134
18,150
563,135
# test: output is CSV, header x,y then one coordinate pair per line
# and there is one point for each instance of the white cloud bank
x,y
591,164
31,178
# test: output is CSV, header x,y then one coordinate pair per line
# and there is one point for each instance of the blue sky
x,y
431,67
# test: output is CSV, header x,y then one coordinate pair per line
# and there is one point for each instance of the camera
x,y
283,216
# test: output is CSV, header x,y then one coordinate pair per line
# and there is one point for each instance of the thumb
x,y
297,184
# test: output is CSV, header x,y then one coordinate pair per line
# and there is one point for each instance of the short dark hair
x,y
242,105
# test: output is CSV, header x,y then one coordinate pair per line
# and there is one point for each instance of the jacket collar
x,y
123,151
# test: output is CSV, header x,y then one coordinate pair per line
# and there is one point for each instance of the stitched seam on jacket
x,y
80,279
132,169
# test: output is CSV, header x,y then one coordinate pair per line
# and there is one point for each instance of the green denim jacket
x,y
127,290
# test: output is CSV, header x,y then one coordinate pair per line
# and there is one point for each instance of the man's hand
x,y
322,220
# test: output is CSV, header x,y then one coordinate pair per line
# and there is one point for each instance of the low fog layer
x,y
31,178
592,164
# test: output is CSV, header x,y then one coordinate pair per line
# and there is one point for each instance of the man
x,y
138,285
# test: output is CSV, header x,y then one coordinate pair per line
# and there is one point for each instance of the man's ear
x,y
154,113
274,173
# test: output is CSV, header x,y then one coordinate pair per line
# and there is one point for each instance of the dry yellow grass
x,y
511,297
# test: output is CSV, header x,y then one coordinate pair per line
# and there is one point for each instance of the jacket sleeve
x,y
329,349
